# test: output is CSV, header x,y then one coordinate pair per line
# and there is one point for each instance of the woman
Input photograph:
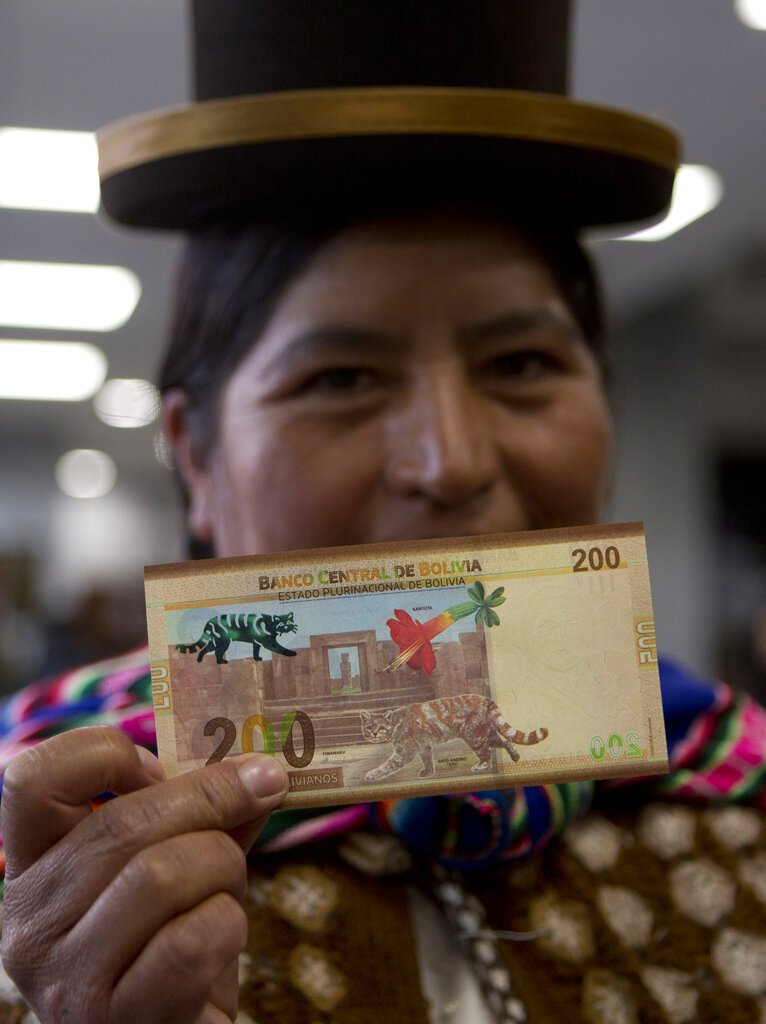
x,y
410,365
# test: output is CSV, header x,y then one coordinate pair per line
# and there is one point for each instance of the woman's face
x,y
421,378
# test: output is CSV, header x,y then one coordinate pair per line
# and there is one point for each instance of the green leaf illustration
x,y
481,616
492,618
496,597
476,592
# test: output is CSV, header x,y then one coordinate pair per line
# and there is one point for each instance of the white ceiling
x,y
81,63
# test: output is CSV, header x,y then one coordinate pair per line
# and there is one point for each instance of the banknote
x,y
440,666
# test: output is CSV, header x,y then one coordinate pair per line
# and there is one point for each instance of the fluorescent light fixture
x,y
48,170
50,371
67,296
697,191
751,12
163,450
124,402
85,473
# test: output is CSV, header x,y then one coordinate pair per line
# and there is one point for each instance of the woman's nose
x,y
441,445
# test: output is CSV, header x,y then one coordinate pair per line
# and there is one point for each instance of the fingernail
x,y
151,764
263,776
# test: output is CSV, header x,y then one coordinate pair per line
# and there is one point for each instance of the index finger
x,y
235,795
48,789
223,796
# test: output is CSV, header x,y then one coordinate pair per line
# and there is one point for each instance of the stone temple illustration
x,y
331,679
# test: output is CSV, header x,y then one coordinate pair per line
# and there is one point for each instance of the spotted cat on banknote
x,y
414,729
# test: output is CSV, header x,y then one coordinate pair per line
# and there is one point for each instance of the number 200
x,y
616,746
596,559
292,718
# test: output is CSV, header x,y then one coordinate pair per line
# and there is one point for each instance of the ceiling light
x,y
67,296
751,12
123,402
57,371
48,170
85,473
163,450
697,191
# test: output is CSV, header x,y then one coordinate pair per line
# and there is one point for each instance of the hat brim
x,y
312,151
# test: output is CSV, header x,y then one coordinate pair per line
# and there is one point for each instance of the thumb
x,y
272,777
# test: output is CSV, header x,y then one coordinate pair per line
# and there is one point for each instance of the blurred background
x,y
86,498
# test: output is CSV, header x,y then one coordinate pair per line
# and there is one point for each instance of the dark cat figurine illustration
x,y
258,630
415,728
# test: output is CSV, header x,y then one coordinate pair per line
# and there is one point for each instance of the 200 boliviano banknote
x,y
417,668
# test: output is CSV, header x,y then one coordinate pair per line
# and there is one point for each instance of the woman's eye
x,y
340,380
523,365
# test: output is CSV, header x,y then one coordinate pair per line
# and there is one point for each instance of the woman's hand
x,y
130,913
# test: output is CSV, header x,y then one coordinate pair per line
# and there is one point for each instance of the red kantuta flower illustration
x,y
413,638
414,642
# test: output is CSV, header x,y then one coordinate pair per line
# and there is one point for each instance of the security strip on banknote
x,y
418,668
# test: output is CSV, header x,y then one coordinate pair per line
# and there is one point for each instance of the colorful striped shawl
x,y
716,739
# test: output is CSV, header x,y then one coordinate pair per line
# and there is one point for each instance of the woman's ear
x,y
194,471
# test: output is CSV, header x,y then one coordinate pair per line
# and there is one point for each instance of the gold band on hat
x,y
383,110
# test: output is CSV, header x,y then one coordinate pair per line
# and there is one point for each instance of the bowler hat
x,y
307,106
